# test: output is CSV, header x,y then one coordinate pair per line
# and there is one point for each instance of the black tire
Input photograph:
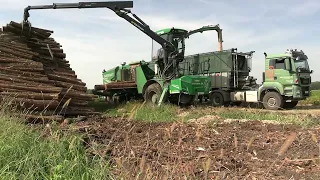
x,y
109,100
216,99
153,93
116,100
238,103
272,101
290,105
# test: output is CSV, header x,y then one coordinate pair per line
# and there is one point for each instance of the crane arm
x,y
209,28
119,7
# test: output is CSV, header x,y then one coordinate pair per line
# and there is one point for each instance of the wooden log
x,y
15,42
18,48
59,55
14,60
62,75
50,39
65,71
65,79
76,108
80,113
47,52
35,104
75,102
59,73
17,53
6,79
27,84
77,95
30,95
55,58
68,113
31,89
42,32
52,64
41,44
58,50
68,85
43,80
121,85
25,33
10,90
15,28
23,65
43,119
25,69
26,74
99,87
6,55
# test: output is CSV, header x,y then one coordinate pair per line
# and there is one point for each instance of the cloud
x,y
305,8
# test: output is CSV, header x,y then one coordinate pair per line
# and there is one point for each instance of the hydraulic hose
x,y
166,69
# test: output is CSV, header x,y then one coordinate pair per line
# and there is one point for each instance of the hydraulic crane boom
x,y
119,7
209,28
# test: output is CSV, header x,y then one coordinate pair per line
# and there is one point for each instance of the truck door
x,y
280,71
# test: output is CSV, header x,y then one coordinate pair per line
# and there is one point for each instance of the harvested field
x,y
218,149
35,75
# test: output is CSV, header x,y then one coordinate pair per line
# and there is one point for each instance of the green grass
x,y
303,120
170,113
26,154
314,99
139,111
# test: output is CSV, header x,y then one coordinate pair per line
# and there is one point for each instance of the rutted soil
x,y
217,150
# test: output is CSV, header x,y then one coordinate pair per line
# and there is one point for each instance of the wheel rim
x,y
217,100
272,102
153,97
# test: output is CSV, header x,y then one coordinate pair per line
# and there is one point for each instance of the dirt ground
x,y
217,150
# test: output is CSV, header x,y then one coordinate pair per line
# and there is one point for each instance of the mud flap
x,y
164,94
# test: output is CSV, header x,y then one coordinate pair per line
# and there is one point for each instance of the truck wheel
x,y
238,103
273,101
290,105
217,99
153,93
109,100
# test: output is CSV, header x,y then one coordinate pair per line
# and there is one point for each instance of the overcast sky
x,y
97,39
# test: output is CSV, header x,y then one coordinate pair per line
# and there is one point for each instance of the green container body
x,y
226,69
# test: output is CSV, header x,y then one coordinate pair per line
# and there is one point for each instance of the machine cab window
x,y
277,64
176,38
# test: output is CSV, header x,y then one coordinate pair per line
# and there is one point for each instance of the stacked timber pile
x,y
34,71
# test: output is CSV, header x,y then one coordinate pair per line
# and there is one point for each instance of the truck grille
x,y
305,81
305,91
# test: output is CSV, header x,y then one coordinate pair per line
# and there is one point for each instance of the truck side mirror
x,y
311,71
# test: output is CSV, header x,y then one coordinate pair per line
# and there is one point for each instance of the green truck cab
x,y
286,80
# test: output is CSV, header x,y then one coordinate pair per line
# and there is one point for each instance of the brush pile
x,y
35,76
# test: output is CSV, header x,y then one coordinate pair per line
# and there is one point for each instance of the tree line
x,y
315,85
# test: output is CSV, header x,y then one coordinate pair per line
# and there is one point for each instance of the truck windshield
x,y
302,64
